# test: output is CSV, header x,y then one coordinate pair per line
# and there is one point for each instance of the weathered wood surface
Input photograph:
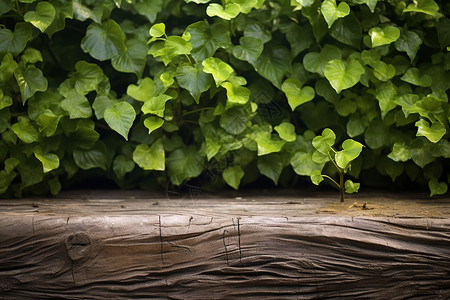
x,y
108,245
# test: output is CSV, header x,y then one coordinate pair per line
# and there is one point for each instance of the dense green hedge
x,y
149,93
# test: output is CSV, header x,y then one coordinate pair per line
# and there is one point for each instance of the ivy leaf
x,y
443,30
104,41
7,67
25,130
273,63
193,79
184,163
120,117
407,102
15,42
266,145
63,10
234,120
400,152
249,49
233,175
5,100
176,45
149,8
5,6
218,69
350,151
413,76
257,30
49,161
351,187
385,93
409,42
156,105
271,166
5,180
48,122
87,77
30,172
101,104
383,71
42,17
428,7
230,11
150,158
31,56
206,39
437,188
142,92
348,31
157,30
236,94
316,177
286,131
343,75
94,157
76,105
303,164
133,58
433,133
122,165
331,12
152,123
383,36
30,80
315,62
370,3
325,141
295,94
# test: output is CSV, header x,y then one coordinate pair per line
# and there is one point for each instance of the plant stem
x,y
197,110
341,184
333,181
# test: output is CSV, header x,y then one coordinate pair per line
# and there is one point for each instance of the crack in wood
x,y
225,246
239,239
161,241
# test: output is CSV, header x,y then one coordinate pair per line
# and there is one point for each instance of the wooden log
x,y
123,245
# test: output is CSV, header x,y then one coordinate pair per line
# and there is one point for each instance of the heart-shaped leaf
x,y
217,68
343,75
176,45
414,76
142,92
120,117
206,39
48,122
325,141
295,94
436,187
400,152
331,12
7,67
152,123
122,165
350,151
157,30
271,166
234,120
25,130
230,11
193,79
233,175
133,58
150,158
383,36
49,161
266,144
184,163
273,63
16,41
30,80
428,7
42,17
286,131
76,105
249,49
87,77
104,41
156,105
5,100
316,177
370,3
433,133
149,8
351,187
236,94
409,42
315,62
303,164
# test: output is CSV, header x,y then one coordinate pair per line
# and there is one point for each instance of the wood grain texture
x,y
117,246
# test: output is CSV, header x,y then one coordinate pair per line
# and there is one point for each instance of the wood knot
x,y
78,245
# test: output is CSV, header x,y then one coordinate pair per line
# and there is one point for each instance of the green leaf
x,y
218,69
10,164
350,151
183,164
48,122
249,49
7,67
32,56
42,17
315,62
271,166
370,3
286,131
348,31
258,31
385,94
6,180
5,6
206,39
76,105
409,42
407,102
316,177
94,157
377,135
101,104
120,117
443,30
149,8
295,94
156,105
356,125
230,11
383,36
433,133
233,175
273,63
351,187
400,152
266,145
193,79
437,188
383,71
133,58
104,41
176,45
236,94
428,7
157,30
5,100
414,76
142,92
420,150
325,141
150,158
152,123
234,120
303,164
343,75
49,161
25,130
63,10
30,172
87,77
30,80
331,12
15,42
122,165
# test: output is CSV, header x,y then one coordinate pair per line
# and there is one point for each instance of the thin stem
x,y
341,181
187,56
197,110
332,160
332,180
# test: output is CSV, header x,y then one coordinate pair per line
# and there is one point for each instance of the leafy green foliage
x,y
158,92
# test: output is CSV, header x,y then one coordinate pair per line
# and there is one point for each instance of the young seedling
x,y
341,160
